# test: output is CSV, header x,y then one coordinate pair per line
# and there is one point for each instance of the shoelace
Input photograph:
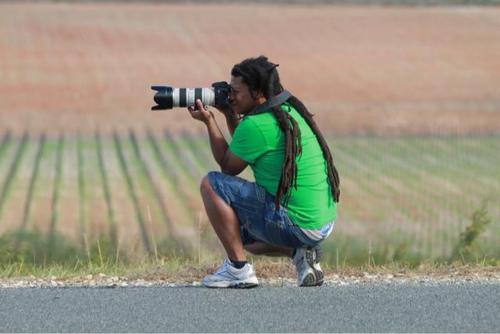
x,y
223,268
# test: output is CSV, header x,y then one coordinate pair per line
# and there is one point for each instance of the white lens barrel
x,y
186,97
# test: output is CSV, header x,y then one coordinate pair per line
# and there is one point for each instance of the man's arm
x,y
228,162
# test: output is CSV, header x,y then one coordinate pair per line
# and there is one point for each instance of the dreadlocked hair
x,y
261,75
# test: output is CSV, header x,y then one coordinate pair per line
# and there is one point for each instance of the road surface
x,y
374,307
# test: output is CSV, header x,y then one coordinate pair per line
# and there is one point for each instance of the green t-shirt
x,y
259,141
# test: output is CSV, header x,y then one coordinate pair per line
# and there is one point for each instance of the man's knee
x,y
206,190
205,184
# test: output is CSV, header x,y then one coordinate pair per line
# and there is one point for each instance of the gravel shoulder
x,y
269,275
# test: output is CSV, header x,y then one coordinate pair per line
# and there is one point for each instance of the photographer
x,y
292,205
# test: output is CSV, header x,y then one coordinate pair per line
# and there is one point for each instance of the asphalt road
x,y
464,307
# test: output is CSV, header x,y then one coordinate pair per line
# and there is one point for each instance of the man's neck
x,y
272,102
260,100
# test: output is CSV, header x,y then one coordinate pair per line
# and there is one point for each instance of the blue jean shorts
x,y
257,214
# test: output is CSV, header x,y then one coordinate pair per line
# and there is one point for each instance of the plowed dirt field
x,y
383,70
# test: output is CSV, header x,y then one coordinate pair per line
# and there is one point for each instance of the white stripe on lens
x,y
175,97
190,96
207,96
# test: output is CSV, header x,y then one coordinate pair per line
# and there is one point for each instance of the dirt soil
x,y
383,70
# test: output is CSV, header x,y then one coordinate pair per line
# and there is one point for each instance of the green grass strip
x,y
31,187
151,184
200,156
132,193
13,170
56,191
203,151
82,212
188,162
170,173
168,166
5,142
400,178
113,231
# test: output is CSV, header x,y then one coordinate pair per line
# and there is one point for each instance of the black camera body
x,y
168,97
221,91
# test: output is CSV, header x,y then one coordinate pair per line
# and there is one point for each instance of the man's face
x,y
240,98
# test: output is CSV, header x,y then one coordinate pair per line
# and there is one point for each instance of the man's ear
x,y
257,94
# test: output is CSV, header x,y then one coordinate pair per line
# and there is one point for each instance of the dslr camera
x,y
168,97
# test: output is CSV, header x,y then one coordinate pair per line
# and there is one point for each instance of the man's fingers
x,y
200,105
193,112
199,112
201,108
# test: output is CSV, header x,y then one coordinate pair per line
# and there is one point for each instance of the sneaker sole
x,y
309,280
319,276
242,285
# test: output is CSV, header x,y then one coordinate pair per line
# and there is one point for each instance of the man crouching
x,y
292,206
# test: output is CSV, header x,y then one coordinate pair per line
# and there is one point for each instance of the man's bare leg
x,y
223,220
261,248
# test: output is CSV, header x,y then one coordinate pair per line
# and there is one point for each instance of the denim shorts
x,y
257,214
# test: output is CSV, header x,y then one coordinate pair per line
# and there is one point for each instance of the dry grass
x,y
268,272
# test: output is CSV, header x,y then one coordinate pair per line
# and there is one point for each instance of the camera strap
x,y
272,102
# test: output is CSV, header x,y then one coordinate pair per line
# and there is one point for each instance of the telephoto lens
x,y
168,97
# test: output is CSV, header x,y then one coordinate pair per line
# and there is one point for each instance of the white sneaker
x,y
228,276
309,271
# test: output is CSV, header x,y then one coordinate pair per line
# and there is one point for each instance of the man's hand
x,y
200,113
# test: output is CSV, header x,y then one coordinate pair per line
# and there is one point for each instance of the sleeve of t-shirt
x,y
248,141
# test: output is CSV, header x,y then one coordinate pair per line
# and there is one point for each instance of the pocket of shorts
x,y
270,211
260,193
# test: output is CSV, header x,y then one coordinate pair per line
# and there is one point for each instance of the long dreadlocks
x,y
261,75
